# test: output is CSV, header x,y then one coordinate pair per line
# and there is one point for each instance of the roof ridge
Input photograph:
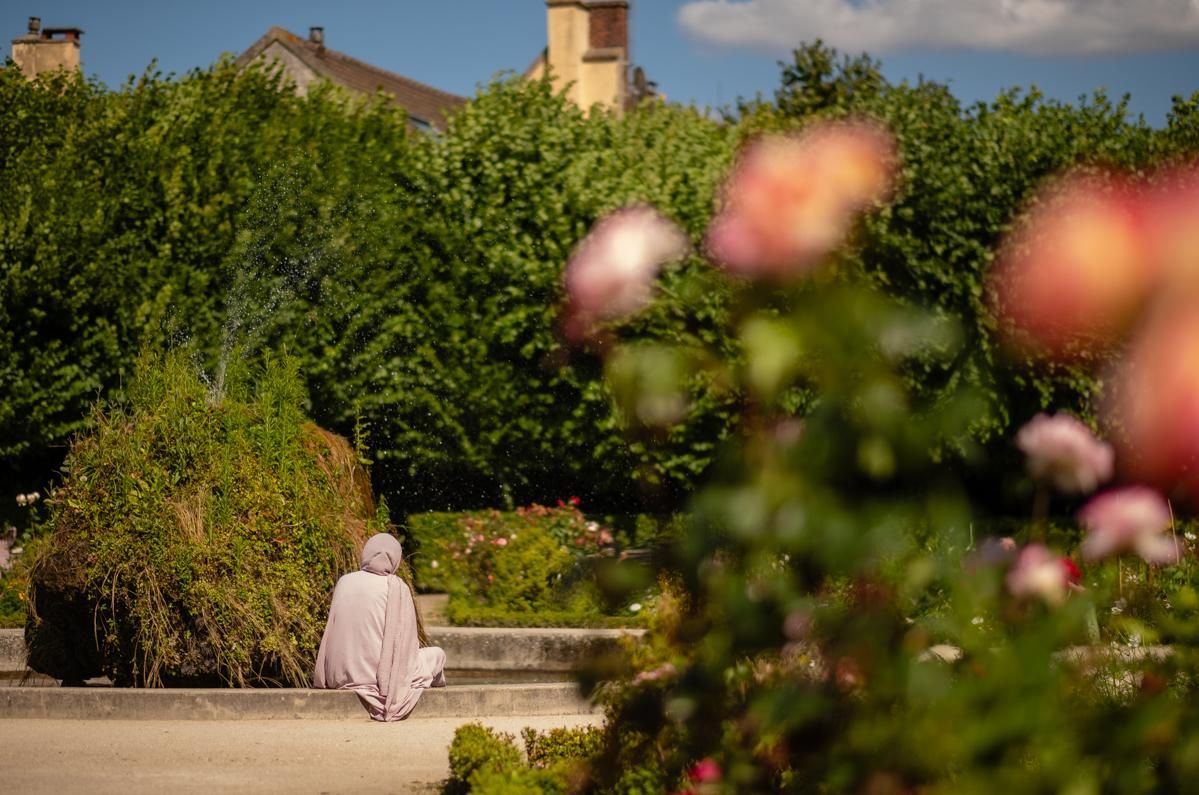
x,y
312,49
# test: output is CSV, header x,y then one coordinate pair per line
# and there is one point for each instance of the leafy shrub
x,y
197,537
14,583
803,656
545,748
548,579
589,615
531,566
559,779
476,749
416,277
484,762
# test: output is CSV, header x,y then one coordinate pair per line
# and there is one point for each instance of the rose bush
x,y
838,625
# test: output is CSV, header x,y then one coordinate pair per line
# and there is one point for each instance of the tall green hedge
x,y
416,277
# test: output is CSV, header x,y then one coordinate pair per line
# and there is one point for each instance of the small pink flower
x,y
500,542
605,538
791,199
797,624
612,272
1039,574
661,672
1062,451
1131,519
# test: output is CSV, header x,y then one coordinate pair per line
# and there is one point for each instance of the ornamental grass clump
x,y
196,537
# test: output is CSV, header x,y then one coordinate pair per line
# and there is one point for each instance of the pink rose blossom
x,y
791,199
705,771
1040,574
1172,207
1154,401
612,272
1076,271
1131,519
1062,451
500,542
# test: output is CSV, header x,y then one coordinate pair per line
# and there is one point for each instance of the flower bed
x,y
535,566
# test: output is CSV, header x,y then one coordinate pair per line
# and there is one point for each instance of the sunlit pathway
x,y
109,756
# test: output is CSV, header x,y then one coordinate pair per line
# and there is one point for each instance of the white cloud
x,y
1067,27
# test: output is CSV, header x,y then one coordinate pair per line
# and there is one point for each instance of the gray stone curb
x,y
472,649
522,649
464,701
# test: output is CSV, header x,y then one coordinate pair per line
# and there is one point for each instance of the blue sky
x,y
704,51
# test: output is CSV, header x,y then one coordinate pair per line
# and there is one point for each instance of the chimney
x,y
588,49
46,49
316,35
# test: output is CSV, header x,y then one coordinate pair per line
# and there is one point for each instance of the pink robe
x,y
370,642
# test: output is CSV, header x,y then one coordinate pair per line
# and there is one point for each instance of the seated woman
x,y
371,643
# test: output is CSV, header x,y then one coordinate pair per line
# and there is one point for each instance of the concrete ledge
x,y
466,648
524,649
12,649
464,701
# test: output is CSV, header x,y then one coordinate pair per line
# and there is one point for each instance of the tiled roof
x,y
426,106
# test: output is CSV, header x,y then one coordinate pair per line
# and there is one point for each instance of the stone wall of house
x,y
296,70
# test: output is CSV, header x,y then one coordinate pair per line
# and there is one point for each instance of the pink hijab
x,y
370,642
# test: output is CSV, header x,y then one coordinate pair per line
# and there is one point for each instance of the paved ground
x,y
109,756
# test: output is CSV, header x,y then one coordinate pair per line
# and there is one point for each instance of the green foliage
x,y
414,277
966,173
583,610
458,366
197,537
484,762
839,627
528,567
417,278
125,217
544,748
14,583
476,750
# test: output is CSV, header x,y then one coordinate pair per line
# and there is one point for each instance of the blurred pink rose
x,y
500,542
1077,269
791,199
1131,519
704,771
1172,207
1063,451
611,273
1153,401
1040,574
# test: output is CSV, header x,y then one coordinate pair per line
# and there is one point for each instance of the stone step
x,y
472,653
433,608
558,650
109,703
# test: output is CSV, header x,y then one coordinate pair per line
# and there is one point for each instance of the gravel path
x,y
108,756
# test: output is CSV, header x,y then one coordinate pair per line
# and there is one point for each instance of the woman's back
x,y
371,643
355,633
